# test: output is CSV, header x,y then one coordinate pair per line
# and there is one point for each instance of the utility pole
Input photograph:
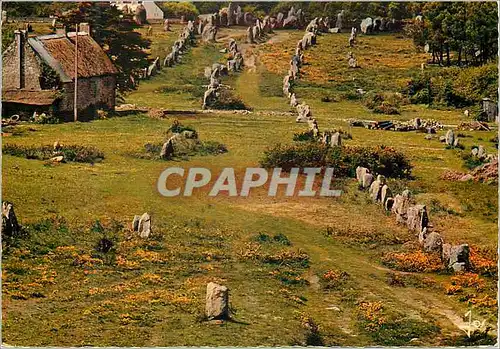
x,y
75,108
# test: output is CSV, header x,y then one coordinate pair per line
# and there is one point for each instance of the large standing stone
x,y
433,243
217,302
385,193
400,206
289,22
340,20
367,180
10,226
376,188
140,14
336,140
417,218
145,225
360,172
367,25
456,257
248,18
231,20
279,20
255,32
209,33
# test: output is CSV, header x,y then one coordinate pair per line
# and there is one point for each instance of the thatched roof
x,y
31,97
58,51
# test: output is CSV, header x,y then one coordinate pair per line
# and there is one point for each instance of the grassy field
x,y
326,262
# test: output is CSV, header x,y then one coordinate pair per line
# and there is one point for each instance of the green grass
x,y
152,292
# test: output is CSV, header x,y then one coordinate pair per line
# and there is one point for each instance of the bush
x,y
303,136
179,9
454,87
383,103
44,118
73,153
228,101
177,127
344,160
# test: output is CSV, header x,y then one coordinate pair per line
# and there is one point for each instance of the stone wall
x,y
98,91
11,68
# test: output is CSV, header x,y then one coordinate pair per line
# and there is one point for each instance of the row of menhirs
x,y
39,75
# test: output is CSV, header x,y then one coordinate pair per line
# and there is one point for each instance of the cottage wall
x,y
11,69
93,93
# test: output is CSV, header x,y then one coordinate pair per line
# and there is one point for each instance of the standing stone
x,y
167,150
340,20
135,223
376,188
217,302
166,25
400,206
140,15
367,25
367,180
433,243
250,35
279,20
248,18
144,226
353,63
389,202
238,16
293,100
231,20
10,226
423,235
385,194
458,259
450,137
336,140
360,172
417,218
209,33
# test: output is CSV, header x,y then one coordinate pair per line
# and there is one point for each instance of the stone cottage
x,y
39,75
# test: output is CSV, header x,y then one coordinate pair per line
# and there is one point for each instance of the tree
x,y
115,32
467,28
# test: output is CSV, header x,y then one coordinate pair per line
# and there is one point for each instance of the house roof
x,y
32,97
58,51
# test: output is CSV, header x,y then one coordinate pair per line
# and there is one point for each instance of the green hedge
x,y
344,160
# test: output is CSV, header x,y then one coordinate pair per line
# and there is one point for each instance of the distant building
x,y
39,74
153,11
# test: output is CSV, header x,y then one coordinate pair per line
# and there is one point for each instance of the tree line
x,y
464,33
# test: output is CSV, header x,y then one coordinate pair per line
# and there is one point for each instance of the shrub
x,y
228,101
303,136
177,127
73,153
383,103
44,118
344,160
178,9
454,87
333,279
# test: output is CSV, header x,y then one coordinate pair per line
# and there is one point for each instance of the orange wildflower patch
x,y
468,280
483,261
416,261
